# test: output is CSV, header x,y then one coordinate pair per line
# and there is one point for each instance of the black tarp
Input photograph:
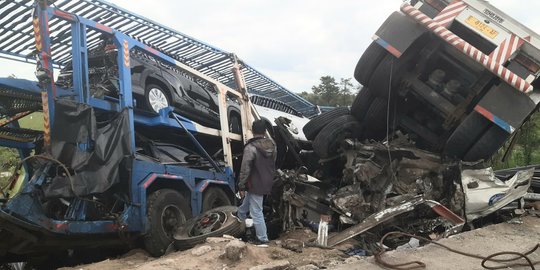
x,y
94,151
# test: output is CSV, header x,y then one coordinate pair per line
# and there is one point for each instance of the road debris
x,y
235,250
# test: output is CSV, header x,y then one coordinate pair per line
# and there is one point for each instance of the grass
x,y
10,156
33,121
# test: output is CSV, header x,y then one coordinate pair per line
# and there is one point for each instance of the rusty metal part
x,y
14,118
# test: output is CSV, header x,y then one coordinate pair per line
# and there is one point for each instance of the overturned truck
x,y
459,77
445,84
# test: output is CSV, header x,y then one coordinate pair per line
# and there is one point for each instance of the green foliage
x,y
33,121
525,150
9,158
331,93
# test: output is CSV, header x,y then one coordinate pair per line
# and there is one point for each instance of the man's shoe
x,y
259,243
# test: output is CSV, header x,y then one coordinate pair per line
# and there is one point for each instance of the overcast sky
x,y
293,42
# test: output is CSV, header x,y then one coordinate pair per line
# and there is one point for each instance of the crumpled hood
x,y
265,146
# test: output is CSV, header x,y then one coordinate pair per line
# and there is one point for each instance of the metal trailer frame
x,y
22,214
16,43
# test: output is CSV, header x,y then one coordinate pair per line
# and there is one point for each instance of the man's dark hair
x,y
258,127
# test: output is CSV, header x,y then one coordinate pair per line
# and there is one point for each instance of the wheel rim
x,y
157,99
171,218
292,128
208,223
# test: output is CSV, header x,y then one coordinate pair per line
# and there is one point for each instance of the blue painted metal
x,y
197,144
17,145
25,209
80,61
208,59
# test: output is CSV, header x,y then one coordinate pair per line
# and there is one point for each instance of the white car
x,y
270,109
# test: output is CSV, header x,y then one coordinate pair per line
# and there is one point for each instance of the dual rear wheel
x,y
168,210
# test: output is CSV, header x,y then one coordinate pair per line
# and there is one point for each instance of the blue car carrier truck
x,y
103,172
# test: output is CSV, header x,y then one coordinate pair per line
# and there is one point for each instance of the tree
x,y
331,93
9,158
346,94
525,149
328,90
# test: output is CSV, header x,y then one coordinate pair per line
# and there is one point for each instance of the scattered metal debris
x,y
383,187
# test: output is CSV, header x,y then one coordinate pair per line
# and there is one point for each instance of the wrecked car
x,y
391,186
270,110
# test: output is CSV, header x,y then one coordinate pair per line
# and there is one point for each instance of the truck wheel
x,y
361,103
314,126
216,222
488,144
465,135
380,80
327,141
167,210
215,197
156,98
375,120
368,62
392,67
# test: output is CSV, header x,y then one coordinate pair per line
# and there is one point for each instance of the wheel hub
x,y
208,223
171,218
157,99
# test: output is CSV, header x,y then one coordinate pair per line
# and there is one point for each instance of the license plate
x,y
482,27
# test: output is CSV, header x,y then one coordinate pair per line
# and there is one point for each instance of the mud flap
x,y
397,33
494,106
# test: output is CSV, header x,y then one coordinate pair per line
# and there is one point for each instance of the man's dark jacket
x,y
258,166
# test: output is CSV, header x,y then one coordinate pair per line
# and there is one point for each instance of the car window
x,y
198,93
171,153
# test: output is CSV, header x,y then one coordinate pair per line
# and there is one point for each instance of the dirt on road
x,y
227,253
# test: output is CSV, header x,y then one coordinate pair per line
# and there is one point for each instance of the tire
x,y
368,62
343,127
215,197
156,98
380,80
361,103
393,67
465,135
187,236
315,125
13,266
164,204
488,144
375,120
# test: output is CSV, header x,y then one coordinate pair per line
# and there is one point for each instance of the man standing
x,y
256,178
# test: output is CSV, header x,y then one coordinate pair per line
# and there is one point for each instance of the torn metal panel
x,y
350,200
380,182
392,212
373,221
485,193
